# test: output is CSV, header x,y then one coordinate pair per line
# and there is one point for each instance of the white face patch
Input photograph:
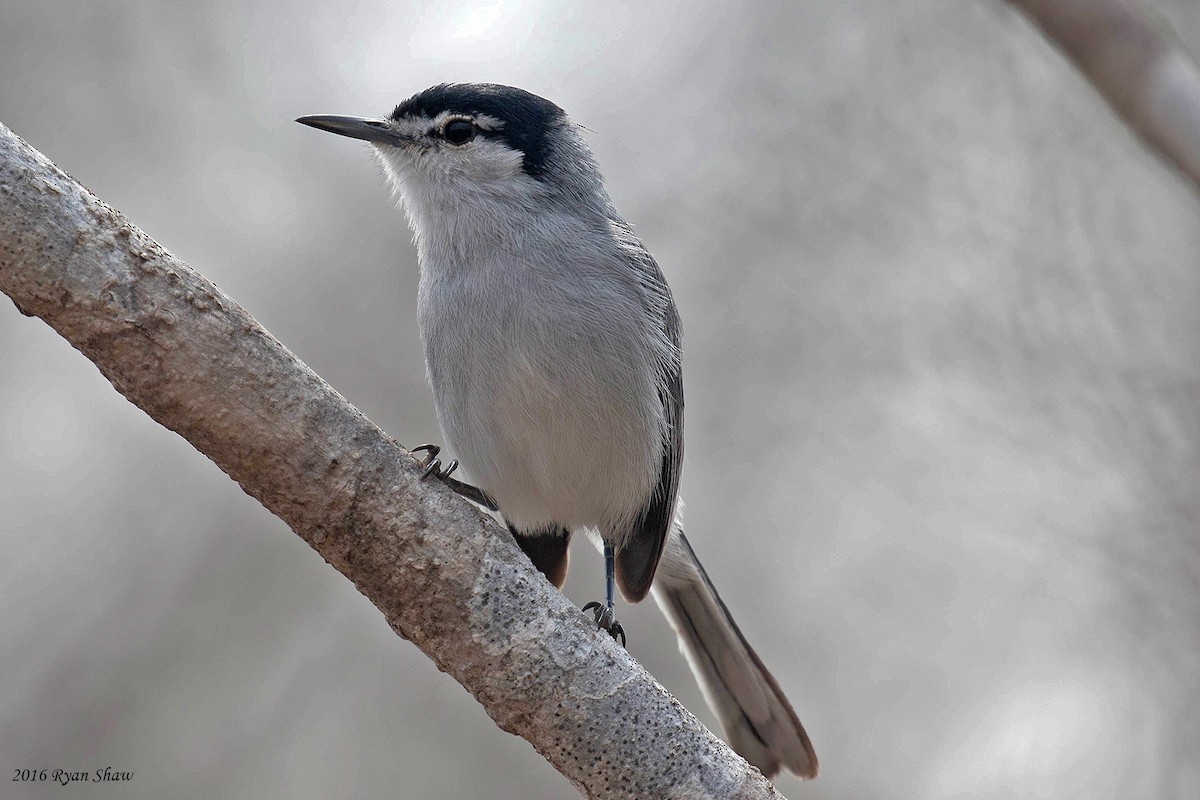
x,y
434,160
447,187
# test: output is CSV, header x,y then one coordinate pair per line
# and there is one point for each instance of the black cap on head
x,y
526,117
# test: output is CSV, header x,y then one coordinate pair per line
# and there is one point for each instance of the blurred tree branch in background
x,y
445,575
1137,64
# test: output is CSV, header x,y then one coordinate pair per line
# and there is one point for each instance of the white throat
x,y
459,209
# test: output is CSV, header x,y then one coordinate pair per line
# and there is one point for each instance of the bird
x,y
552,346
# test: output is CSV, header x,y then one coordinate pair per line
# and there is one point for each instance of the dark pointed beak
x,y
369,130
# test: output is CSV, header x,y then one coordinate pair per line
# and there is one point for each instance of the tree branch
x,y
1137,64
443,573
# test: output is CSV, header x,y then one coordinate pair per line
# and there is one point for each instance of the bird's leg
x,y
610,577
605,615
433,467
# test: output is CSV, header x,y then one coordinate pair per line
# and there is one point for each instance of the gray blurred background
x,y
942,337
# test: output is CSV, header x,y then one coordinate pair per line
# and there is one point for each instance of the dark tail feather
x,y
759,721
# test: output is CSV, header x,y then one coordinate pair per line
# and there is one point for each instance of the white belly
x,y
555,414
577,455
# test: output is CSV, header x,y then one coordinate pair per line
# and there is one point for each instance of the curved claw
x,y
432,465
431,462
434,468
606,620
616,630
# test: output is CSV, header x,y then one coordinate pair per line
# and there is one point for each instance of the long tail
x,y
759,721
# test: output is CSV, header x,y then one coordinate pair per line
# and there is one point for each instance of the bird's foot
x,y
433,468
606,620
432,464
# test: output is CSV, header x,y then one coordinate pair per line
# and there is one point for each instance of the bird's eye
x,y
459,131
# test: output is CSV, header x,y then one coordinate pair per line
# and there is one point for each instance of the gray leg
x,y
606,617
610,575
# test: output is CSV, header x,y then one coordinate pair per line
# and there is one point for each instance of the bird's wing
x,y
638,558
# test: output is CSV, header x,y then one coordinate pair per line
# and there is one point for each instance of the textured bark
x,y
1137,64
445,575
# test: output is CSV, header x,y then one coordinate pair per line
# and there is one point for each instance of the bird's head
x,y
477,147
